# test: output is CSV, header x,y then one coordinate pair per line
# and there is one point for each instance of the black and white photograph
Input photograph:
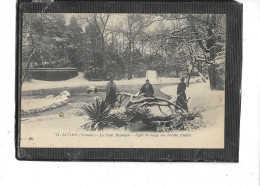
x,y
105,80
129,93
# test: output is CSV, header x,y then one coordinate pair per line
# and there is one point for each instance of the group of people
x,y
147,91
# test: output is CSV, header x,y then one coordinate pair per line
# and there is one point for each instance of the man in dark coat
x,y
147,89
181,95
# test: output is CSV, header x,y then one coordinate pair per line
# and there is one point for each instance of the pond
x,y
79,94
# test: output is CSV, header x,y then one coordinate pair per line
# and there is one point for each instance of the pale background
x,y
13,172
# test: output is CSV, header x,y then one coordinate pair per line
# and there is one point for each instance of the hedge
x,y
53,74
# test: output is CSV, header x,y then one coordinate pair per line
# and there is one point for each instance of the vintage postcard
x,y
110,80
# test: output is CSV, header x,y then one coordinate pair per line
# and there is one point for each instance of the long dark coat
x,y
148,92
111,91
181,96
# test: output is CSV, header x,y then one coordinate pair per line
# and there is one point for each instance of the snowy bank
x,y
42,131
80,81
210,103
30,106
200,95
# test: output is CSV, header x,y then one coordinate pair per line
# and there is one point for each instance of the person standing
x,y
147,89
111,92
181,95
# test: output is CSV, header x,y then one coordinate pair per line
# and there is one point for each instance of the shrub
x,y
99,113
92,72
136,113
100,116
87,75
118,120
53,74
220,78
175,122
181,121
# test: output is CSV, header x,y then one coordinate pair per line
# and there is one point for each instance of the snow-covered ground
x,y
212,105
200,95
30,106
80,81
41,131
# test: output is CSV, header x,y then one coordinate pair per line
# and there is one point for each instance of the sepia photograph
x,y
129,92
110,80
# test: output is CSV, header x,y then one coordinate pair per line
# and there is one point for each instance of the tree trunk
x,y
209,48
123,44
188,80
150,48
212,76
129,75
142,48
177,73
